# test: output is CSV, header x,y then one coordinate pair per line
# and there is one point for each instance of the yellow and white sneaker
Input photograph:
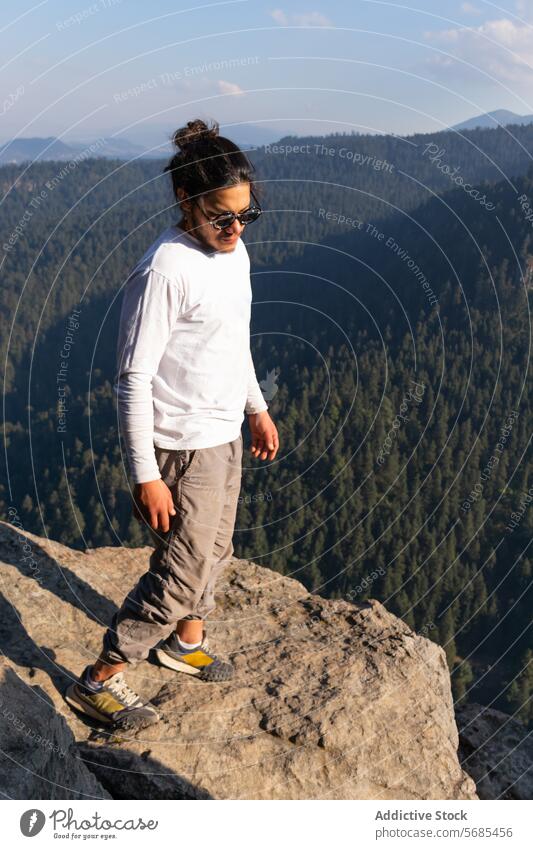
x,y
113,702
199,661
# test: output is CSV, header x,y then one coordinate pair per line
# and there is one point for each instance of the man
x,y
185,379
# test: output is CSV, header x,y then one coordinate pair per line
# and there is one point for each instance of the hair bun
x,y
195,131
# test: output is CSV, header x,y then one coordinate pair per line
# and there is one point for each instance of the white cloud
x,y
303,19
202,85
280,17
225,87
501,48
470,9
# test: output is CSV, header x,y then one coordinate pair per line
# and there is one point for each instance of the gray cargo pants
x,y
187,560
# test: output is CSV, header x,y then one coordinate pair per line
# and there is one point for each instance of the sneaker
x,y
200,661
113,702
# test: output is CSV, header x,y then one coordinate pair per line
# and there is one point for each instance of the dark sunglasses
x,y
226,219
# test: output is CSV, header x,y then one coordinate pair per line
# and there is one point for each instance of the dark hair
x,y
206,161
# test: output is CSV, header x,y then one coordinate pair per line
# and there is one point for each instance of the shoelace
x,y
119,687
207,650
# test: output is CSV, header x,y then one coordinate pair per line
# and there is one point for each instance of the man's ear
x,y
184,202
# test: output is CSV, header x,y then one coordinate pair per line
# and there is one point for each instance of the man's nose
x,y
234,229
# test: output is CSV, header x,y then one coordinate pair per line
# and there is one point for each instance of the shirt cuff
x,y
255,407
255,401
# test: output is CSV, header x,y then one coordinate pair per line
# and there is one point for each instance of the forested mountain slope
x,y
395,355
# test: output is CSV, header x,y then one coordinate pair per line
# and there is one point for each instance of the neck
x,y
182,225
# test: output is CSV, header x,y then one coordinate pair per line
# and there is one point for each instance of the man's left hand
x,y
265,440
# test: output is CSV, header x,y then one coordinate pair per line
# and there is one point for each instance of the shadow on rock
x,y
51,576
127,775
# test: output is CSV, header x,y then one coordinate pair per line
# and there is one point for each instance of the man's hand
x,y
153,502
265,440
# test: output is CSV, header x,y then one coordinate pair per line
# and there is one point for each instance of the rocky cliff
x,y
330,699
497,752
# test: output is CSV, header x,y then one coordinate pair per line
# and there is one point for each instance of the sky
x,y
79,70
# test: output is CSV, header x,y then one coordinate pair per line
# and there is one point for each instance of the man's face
x,y
232,199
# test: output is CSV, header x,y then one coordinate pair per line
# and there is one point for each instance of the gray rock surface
x,y
38,755
496,751
330,699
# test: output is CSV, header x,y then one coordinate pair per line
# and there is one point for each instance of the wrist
x,y
140,484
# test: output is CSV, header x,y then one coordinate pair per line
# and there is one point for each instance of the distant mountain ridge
x,y
498,118
247,136
156,145
21,150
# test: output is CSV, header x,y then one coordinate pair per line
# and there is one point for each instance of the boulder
x,y
330,700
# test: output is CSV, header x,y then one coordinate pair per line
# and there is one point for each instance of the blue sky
x,y
79,69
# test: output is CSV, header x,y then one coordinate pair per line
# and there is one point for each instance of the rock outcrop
x,y
39,758
497,751
330,699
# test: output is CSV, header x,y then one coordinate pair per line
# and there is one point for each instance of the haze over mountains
x,y
150,142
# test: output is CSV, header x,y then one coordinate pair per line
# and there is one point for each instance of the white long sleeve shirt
x,y
185,375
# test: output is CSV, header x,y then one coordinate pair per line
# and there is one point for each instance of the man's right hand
x,y
153,503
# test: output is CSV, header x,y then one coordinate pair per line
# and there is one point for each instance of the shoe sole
x,y
74,700
177,665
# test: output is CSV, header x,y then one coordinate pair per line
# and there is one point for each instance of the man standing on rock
x,y
185,378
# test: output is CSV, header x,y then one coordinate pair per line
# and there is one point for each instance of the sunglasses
x,y
226,219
